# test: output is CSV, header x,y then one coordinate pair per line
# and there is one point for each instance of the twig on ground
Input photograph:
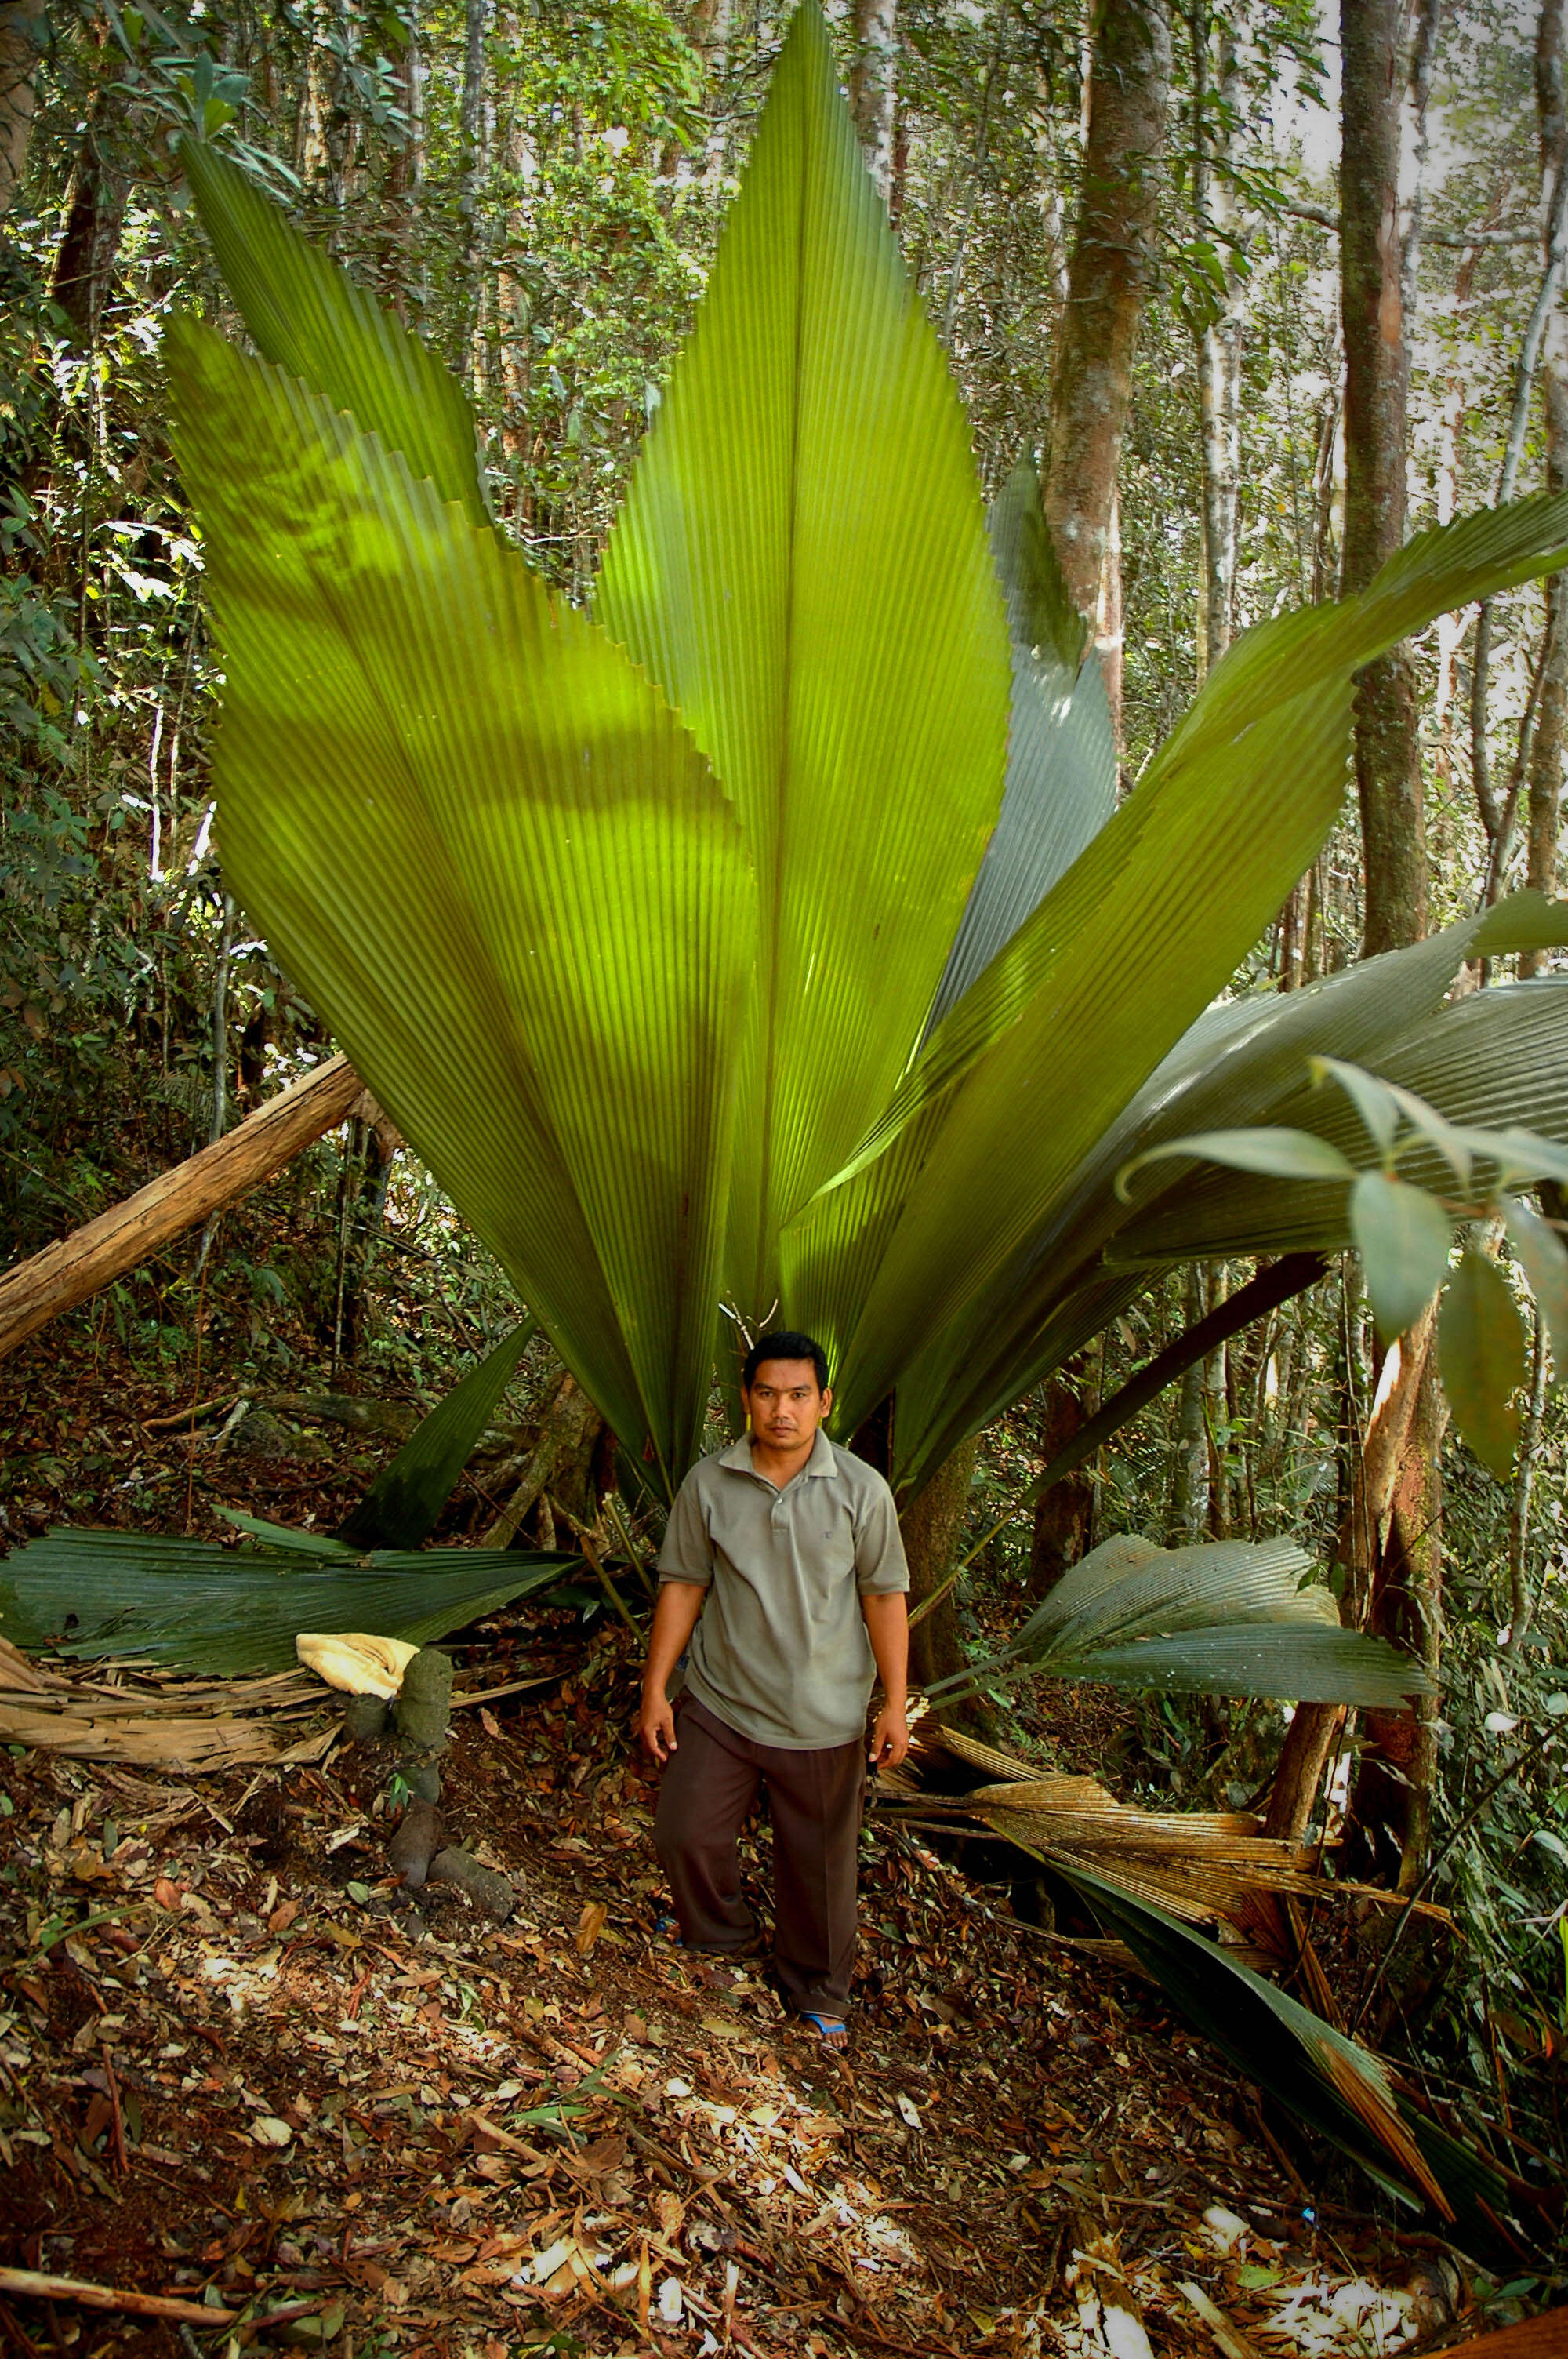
x,y
35,2284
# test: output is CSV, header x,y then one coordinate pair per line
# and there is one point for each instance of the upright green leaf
x,y
1402,1236
311,319
402,1504
481,842
801,564
1482,1355
1191,868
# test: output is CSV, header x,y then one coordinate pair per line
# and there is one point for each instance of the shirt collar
x,y
821,1462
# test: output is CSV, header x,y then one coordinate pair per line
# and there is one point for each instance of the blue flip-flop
x,y
827,2025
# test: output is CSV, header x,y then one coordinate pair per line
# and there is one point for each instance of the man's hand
x,y
890,1737
675,1618
657,1726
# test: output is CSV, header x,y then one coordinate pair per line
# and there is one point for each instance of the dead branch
x,y
38,2287
92,1257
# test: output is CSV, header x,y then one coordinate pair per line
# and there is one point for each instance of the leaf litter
x,y
240,2064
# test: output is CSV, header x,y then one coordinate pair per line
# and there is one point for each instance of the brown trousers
x,y
815,1802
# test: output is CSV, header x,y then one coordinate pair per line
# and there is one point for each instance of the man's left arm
x,y
883,1576
887,1627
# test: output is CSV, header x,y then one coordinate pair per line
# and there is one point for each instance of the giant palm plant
x,y
771,936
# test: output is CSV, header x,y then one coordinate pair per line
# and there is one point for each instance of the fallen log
x,y
92,1257
38,2287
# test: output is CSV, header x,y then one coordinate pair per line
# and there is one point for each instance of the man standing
x,y
788,1548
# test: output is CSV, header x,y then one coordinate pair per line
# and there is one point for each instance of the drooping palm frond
x,y
401,1508
1237,1617
1339,2088
195,1607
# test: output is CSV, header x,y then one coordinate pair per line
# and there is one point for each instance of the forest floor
x,y
259,2073
241,2065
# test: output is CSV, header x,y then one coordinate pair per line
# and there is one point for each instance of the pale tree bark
x,y
477,18
873,87
1498,812
1108,277
1397,1421
23,34
1373,262
1219,340
1189,1486
1546,752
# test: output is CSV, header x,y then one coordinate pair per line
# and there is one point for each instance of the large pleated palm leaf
x,y
772,936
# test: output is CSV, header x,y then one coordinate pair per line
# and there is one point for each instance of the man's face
x,y
785,1404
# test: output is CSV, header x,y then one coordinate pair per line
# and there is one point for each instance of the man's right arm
x,y
675,1618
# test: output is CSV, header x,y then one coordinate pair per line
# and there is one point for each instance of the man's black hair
x,y
784,1343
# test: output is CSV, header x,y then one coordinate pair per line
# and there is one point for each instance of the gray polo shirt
x,y
781,1652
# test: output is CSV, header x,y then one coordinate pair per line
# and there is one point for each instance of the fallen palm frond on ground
x,y
203,1608
179,1725
1207,1867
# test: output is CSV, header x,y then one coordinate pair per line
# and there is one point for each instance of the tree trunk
x,y
1189,1488
1218,343
23,34
1551,716
1062,1514
477,19
1108,282
90,247
75,1267
931,1524
405,174
1401,1425
873,87
1391,1807
1372,263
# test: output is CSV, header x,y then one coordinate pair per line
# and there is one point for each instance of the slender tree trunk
x,y
1062,1514
90,247
477,19
874,86
1391,1807
1189,1490
1108,281
1373,265
1547,746
1218,341
24,33
1216,1415
931,1524
405,175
